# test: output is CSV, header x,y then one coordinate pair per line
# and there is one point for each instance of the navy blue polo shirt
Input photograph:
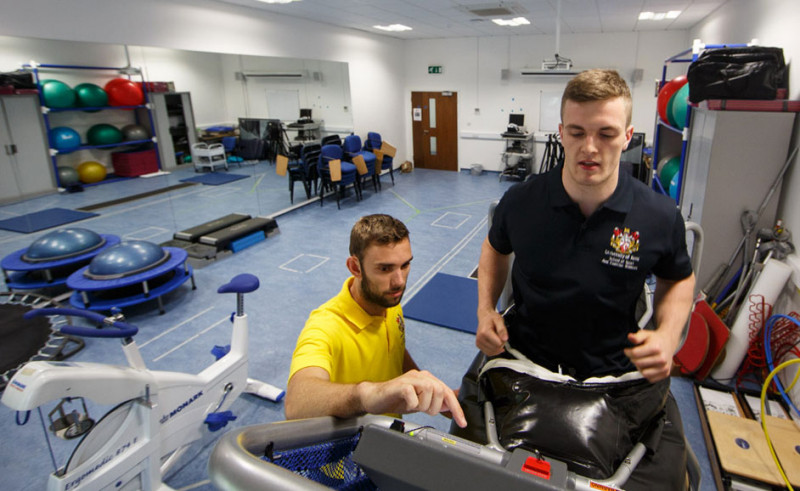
x,y
576,280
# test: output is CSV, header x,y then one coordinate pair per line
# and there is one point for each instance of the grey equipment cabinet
x,y
25,169
518,155
732,160
175,126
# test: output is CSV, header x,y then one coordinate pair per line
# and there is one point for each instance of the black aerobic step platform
x,y
193,234
222,238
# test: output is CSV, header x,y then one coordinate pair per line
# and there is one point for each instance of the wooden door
x,y
435,130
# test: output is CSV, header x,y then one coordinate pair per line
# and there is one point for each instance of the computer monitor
x,y
305,113
517,119
632,157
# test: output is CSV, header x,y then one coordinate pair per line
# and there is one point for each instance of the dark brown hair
x,y
375,229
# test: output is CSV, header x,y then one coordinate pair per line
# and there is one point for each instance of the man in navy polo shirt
x,y
585,236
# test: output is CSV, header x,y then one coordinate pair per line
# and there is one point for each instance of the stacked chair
x,y
384,154
335,164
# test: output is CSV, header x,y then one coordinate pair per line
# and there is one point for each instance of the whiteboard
x,y
549,110
283,104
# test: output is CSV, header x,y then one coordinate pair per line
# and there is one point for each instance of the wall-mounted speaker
x,y
505,74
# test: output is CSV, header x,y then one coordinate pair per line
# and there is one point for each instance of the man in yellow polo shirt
x,y
350,357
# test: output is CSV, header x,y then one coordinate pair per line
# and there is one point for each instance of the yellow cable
x,y
764,419
796,375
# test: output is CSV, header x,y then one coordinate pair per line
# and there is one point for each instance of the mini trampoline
x,y
49,260
23,340
129,273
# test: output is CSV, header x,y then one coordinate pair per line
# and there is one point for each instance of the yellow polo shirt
x,y
351,345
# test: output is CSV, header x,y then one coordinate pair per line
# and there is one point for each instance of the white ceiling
x,y
453,18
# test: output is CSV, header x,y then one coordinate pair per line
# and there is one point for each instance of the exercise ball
x,y
666,93
678,107
91,171
134,132
673,186
67,176
57,94
126,258
667,169
64,139
63,243
90,95
103,134
123,92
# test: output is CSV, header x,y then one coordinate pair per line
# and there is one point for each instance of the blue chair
x,y
351,148
349,173
374,144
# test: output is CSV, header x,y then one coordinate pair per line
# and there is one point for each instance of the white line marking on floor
x,y
140,234
462,222
164,333
192,338
414,289
285,266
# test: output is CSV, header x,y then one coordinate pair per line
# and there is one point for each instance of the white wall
x,y
773,23
376,71
472,67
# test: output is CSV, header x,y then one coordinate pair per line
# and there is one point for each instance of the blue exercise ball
x,y
68,176
63,243
125,259
64,139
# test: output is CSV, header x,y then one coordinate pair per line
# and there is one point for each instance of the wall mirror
x,y
207,90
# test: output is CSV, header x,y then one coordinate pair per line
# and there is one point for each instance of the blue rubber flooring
x,y
299,268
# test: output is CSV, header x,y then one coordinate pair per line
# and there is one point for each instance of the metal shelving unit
x,y
130,72
666,135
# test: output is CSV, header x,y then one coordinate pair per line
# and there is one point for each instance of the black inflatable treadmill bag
x,y
750,72
592,427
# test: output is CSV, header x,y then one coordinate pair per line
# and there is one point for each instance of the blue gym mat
x,y
446,301
215,178
51,217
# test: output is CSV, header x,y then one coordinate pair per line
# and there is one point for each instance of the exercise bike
x,y
157,414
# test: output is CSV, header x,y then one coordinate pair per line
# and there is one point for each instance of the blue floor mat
x,y
40,220
446,301
215,178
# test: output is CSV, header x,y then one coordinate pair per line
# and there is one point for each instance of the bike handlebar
x,y
123,329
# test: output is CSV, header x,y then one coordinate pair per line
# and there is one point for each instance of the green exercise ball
x,y
667,171
67,176
90,95
678,106
57,94
104,134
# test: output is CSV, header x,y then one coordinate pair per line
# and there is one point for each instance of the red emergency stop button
x,y
537,467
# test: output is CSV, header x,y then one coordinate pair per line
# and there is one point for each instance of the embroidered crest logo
x,y
401,324
625,242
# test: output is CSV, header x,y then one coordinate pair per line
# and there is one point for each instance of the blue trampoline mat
x,y
446,301
40,220
215,178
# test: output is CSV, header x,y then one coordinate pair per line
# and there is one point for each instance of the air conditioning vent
x,y
281,74
492,12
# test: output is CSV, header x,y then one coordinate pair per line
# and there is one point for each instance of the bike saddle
x,y
242,283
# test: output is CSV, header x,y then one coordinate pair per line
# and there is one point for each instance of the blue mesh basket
x,y
328,463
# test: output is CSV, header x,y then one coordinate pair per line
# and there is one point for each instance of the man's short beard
x,y
374,297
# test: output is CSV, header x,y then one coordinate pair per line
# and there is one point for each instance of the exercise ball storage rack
x,y
667,138
37,70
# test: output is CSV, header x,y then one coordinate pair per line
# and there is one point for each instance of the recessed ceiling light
x,y
393,27
517,21
672,14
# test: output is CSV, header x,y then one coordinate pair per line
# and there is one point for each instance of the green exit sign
x,y
434,69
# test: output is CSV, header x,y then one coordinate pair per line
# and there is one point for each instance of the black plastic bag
x,y
19,79
751,72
